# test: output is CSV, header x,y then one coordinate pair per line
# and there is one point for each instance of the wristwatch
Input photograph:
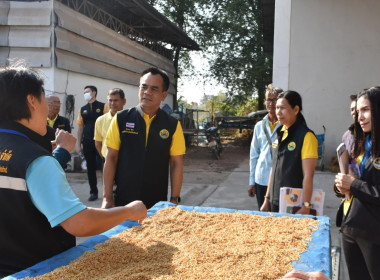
x,y
177,199
306,204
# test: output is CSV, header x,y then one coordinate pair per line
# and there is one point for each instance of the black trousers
x,y
91,155
362,257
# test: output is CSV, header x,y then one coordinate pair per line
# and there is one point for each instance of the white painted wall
x,y
62,83
327,50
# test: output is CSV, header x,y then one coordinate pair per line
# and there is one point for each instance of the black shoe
x,y
93,197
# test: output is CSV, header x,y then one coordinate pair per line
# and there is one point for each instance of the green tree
x,y
231,34
221,103
249,106
181,12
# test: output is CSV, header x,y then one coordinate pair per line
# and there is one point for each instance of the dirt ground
x,y
200,166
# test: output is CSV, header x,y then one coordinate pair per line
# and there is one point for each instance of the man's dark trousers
x,y
90,154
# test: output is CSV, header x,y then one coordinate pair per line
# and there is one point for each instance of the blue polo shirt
x,y
50,192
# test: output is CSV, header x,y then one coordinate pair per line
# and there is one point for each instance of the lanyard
x,y
14,132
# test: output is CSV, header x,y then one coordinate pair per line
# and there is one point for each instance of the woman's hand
x,y
265,207
343,181
304,210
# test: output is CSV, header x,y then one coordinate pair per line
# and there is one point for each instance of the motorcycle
x,y
214,143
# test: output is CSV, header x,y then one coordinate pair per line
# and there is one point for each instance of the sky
x,y
194,88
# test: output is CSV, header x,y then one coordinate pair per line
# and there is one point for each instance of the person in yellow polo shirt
x,y
116,101
143,144
295,154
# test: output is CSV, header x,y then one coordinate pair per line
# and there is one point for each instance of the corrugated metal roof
x,y
142,17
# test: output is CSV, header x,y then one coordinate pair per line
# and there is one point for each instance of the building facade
x,y
77,43
327,50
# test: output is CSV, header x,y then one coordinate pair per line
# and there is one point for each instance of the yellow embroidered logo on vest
x,y
291,146
164,134
98,110
6,155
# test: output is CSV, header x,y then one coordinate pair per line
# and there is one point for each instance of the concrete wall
x,y
327,50
62,83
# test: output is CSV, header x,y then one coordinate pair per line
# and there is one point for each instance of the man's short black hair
x,y
93,88
118,91
353,97
156,71
16,83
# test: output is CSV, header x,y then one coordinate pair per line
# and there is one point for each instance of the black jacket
x,y
363,217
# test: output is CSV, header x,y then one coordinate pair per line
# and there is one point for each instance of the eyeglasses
x,y
56,103
269,100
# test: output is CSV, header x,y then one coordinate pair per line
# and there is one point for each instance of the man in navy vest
x,y
40,213
143,144
86,128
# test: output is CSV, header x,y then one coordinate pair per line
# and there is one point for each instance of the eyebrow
x,y
364,107
146,85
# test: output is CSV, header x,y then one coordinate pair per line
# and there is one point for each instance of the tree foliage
x,y
231,35
226,105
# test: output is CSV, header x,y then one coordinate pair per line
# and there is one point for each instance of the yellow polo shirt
x,y
272,125
102,125
310,144
51,122
177,147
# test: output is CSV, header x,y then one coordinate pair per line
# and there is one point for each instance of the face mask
x,y
87,96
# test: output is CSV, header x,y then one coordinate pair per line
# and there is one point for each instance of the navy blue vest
x,y
143,172
286,160
26,237
89,115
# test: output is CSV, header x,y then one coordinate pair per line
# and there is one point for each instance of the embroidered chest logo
x,y
6,155
84,112
291,146
98,110
376,163
164,134
130,128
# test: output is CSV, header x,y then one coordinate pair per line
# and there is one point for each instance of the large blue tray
x,y
316,258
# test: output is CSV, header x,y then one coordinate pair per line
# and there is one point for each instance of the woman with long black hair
x,y
361,222
295,154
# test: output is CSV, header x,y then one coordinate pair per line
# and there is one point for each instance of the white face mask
x,y
87,96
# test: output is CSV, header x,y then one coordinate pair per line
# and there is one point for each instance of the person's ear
x,y
124,101
164,94
296,109
31,100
